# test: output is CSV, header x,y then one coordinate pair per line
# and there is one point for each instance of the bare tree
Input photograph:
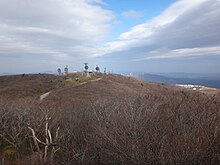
x,y
50,145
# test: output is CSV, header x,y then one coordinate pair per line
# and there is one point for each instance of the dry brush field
x,y
116,120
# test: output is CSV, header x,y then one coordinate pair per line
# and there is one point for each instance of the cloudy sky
x,y
125,35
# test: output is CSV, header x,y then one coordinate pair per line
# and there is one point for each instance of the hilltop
x,y
78,86
107,119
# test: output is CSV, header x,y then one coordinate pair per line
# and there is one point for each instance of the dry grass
x,y
75,79
117,120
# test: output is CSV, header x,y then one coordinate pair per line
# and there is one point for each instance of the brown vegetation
x,y
117,120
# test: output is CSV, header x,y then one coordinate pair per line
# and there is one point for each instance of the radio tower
x,y
86,67
97,69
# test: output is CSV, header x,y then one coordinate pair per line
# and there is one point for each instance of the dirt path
x,y
45,95
98,79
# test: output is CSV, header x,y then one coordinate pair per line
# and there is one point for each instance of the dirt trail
x,y
98,79
45,95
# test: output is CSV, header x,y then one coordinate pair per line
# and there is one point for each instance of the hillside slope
x,y
27,85
108,119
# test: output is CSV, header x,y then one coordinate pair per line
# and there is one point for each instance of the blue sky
x,y
146,8
125,35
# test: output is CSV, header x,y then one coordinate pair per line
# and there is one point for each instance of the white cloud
x,y
133,14
177,53
58,31
101,2
181,29
52,29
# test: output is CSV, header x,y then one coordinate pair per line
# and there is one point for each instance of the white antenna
x,y
86,67
86,70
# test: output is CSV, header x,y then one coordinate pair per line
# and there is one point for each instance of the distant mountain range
x,y
212,80
42,72
6,73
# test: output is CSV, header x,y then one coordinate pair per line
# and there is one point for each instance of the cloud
x,y
101,2
57,32
52,29
186,28
133,14
178,53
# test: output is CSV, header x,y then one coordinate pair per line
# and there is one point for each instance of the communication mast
x,y
86,70
59,71
86,67
66,69
97,69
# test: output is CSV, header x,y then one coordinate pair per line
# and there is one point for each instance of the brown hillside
x,y
27,85
107,119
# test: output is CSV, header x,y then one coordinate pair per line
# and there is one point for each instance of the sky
x,y
122,36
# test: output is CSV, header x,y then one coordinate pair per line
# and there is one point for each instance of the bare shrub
x,y
176,127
